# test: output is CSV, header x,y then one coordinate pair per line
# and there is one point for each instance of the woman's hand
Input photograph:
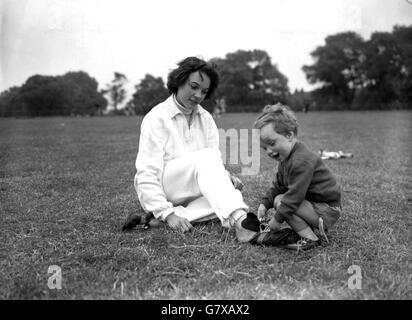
x,y
261,212
237,183
177,223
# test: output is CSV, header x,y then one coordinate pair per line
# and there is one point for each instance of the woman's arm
x,y
149,167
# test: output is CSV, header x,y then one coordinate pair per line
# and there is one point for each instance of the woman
x,y
180,176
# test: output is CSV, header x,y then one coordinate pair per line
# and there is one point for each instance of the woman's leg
x,y
202,173
227,202
196,210
181,188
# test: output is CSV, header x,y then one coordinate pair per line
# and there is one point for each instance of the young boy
x,y
305,192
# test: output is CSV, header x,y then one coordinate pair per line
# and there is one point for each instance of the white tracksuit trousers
x,y
200,189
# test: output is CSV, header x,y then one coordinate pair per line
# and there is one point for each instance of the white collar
x,y
183,109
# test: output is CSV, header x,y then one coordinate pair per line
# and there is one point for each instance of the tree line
x,y
356,74
348,71
74,93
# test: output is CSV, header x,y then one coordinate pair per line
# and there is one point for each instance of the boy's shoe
x,y
302,244
265,236
323,230
274,238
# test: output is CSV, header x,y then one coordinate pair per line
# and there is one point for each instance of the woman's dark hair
x,y
186,67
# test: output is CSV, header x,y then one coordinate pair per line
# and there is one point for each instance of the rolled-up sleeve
x,y
149,168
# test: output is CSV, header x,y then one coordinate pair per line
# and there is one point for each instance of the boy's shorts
x,y
328,213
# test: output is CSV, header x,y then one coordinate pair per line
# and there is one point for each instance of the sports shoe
x,y
302,244
323,230
265,236
274,238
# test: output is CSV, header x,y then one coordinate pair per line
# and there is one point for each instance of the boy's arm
x,y
276,189
300,176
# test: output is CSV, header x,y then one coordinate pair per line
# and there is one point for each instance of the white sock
x,y
237,216
308,234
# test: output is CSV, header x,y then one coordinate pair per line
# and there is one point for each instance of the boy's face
x,y
277,146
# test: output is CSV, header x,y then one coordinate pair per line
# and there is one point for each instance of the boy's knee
x,y
280,216
274,224
276,202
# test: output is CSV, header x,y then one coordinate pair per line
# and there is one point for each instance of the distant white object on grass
x,y
327,155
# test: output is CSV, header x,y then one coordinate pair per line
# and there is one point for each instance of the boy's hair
x,y
282,118
186,67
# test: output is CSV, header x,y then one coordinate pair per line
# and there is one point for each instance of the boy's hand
x,y
177,223
261,212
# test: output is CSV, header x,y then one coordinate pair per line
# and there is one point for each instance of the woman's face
x,y
194,90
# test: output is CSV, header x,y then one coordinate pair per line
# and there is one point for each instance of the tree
x,y
299,100
82,94
11,103
374,74
116,90
72,93
149,92
382,67
43,96
338,67
403,36
248,78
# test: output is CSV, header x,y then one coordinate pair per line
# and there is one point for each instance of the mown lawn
x,y
67,186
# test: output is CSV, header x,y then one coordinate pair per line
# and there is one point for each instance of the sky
x,y
135,37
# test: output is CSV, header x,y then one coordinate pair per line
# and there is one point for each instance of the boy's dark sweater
x,y
302,176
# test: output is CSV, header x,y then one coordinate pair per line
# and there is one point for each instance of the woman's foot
x,y
244,230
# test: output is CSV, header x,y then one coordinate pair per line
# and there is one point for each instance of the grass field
x,y
67,186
